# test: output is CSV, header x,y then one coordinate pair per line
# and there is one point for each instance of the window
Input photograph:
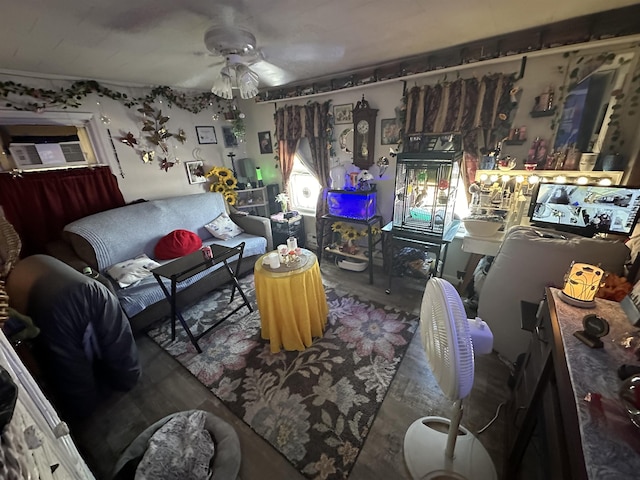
x,y
303,188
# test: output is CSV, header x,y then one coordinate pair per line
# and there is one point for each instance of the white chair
x,y
530,259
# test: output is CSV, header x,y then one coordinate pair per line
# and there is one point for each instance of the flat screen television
x,y
586,209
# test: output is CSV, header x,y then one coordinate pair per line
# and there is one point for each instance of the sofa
x,y
530,259
107,238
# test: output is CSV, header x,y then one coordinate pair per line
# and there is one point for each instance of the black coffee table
x,y
183,268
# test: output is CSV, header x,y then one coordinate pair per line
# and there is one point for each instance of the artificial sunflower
x,y
224,173
350,234
229,182
218,188
338,227
223,181
231,197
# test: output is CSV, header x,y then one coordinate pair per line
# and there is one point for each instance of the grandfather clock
x,y
364,134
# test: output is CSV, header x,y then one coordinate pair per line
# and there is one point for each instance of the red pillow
x,y
177,244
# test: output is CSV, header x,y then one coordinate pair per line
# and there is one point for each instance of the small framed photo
x,y
264,138
195,172
390,131
230,139
206,135
343,113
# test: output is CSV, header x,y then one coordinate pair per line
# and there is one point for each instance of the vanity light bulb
x,y
605,182
560,179
533,179
493,178
582,180
483,177
519,179
505,178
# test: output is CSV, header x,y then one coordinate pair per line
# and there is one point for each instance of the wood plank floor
x,y
167,387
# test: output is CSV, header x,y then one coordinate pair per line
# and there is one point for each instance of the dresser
x,y
564,419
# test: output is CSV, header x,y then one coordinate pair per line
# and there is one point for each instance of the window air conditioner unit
x,y
39,155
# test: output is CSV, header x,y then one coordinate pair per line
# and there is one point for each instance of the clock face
x,y
363,126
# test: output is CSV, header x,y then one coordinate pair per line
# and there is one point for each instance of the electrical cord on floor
x,y
492,420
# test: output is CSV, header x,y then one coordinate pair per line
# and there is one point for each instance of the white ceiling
x,y
160,42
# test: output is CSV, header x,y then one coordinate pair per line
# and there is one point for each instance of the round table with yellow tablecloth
x,y
292,303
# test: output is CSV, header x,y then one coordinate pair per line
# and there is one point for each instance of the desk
x,y
376,219
430,243
292,304
548,414
186,267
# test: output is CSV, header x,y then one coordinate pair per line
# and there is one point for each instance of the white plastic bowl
x,y
481,228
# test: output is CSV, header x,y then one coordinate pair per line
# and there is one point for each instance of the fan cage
x,y
446,338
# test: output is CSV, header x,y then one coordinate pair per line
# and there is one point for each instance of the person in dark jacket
x,y
87,339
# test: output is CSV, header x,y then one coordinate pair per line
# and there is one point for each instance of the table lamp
x,y
259,177
581,284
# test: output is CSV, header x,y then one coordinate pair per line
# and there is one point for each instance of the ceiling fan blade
x,y
204,77
303,53
271,75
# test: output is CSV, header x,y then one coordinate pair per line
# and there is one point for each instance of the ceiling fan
x,y
239,47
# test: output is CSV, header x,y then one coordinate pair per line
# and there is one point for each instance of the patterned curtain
x,y
288,132
310,121
470,106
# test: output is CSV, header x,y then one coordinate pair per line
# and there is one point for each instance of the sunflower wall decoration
x,y
223,181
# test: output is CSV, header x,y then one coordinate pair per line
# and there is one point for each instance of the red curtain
x,y
40,204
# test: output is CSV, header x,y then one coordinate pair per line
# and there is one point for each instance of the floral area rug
x,y
315,407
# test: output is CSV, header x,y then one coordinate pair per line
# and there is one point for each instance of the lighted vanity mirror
x,y
589,103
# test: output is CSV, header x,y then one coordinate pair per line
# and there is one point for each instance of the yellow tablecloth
x,y
292,304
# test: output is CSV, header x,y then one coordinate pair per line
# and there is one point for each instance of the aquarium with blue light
x,y
354,204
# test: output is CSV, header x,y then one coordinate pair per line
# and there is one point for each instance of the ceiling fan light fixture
x,y
222,84
247,81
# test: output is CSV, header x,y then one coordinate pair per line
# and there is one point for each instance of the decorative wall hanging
x,y
264,139
195,172
343,113
72,97
206,135
156,135
230,140
389,131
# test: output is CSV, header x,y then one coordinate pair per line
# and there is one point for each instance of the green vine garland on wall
x,y
72,96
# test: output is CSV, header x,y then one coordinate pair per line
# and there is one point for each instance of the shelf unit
x,y
357,256
254,201
543,113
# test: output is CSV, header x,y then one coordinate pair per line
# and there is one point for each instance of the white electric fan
x,y
435,447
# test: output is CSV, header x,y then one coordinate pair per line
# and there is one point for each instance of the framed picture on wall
x,y
230,139
206,135
389,131
264,138
343,113
195,172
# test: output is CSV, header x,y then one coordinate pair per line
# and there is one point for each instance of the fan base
x,y
424,453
